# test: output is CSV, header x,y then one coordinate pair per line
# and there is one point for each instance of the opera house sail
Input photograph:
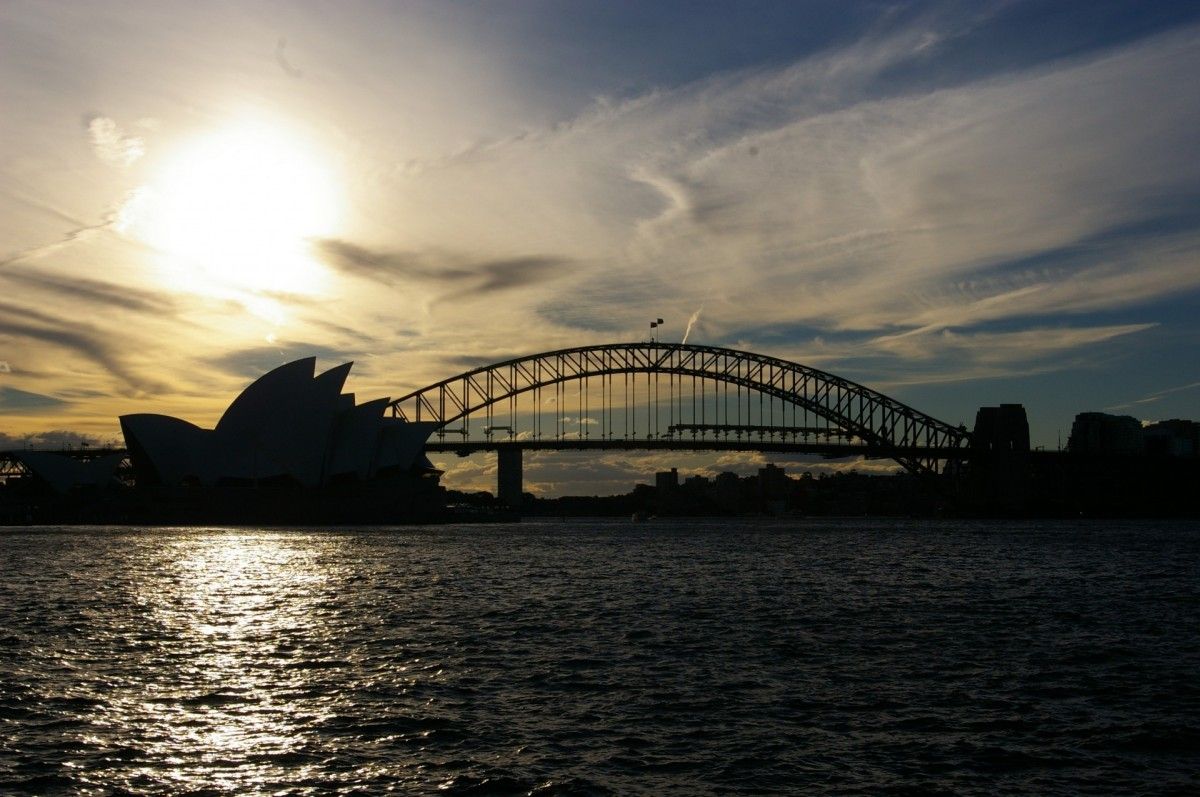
x,y
292,447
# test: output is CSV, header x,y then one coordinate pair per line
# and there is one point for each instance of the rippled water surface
x,y
580,658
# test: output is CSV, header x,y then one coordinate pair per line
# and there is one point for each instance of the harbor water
x,y
603,657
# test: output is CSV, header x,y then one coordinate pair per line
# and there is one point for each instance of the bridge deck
x,y
827,450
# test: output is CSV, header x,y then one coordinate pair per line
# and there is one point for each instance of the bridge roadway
x,y
464,448
10,463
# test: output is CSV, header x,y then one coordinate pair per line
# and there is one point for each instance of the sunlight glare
x,y
237,210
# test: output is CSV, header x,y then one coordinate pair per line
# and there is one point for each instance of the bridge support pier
x,y
508,476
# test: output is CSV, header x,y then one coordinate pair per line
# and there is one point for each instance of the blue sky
x,y
957,204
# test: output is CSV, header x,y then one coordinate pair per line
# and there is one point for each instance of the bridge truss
x,y
677,396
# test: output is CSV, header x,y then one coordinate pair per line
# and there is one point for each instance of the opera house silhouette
x,y
289,425
292,447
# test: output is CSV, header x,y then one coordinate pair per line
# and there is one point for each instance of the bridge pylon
x,y
509,486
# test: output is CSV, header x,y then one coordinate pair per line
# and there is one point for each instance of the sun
x,y
237,210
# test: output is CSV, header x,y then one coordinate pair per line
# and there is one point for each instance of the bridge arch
x,y
853,409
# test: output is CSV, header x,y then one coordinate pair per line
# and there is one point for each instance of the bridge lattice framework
x,y
687,389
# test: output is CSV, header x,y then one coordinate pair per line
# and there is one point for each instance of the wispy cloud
x,y
1158,395
112,144
461,276
1002,347
78,338
14,400
282,59
69,237
114,220
91,291
803,195
254,362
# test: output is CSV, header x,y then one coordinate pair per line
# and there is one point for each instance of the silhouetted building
x,y
999,472
292,445
727,492
667,481
1003,428
1101,433
289,425
773,481
774,488
1173,438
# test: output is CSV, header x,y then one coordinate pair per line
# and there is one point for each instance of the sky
x,y
957,204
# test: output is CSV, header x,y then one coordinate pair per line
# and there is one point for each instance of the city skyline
x,y
956,207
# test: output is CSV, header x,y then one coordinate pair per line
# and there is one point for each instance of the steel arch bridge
x,y
703,391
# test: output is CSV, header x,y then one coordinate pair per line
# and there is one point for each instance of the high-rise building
x,y
1101,433
1173,438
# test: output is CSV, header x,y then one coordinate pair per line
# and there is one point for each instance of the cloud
x,y
935,354
470,362
69,237
850,217
92,291
359,339
461,276
1157,395
54,439
254,362
14,400
808,194
115,219
1001,347
78,338
111,144
281,59
587,315
44,207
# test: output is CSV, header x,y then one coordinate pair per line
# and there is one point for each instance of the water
x,y
592,658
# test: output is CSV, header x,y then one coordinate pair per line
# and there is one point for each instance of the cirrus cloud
x,y
112,144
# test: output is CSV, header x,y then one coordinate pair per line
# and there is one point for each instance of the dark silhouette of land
x,y
1113,467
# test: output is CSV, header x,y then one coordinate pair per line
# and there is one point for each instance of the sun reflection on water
x,y
222,681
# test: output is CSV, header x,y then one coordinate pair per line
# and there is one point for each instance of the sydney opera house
x,y
291,448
